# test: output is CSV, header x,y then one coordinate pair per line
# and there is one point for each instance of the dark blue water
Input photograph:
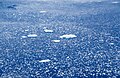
x,y
93,53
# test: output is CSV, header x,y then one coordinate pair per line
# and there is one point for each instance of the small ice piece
x,y
32,35
111,43
47,60
48,30
43,11
115,2
24,36
26,30
68,36
56,41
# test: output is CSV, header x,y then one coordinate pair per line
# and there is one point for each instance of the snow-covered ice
x,y
47,60
32,35
68,36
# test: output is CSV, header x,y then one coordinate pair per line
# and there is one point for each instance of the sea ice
x,y
43,11
26,30
48,30
56,41
115,2
24,36
68,36
32,35
47,60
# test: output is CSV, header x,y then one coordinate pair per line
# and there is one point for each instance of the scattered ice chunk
x,y
111,43
24,36
48,30
43,11
68,36
26,30
56,41
115,2
32,35
47,60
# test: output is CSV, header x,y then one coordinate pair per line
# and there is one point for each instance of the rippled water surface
x,y
59,39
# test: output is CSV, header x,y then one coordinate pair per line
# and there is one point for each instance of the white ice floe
x,y
47,60
32,35
56,41
26,30
115,2
43,11
68,36
24,36
111,43
48,30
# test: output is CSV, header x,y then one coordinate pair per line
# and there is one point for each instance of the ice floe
x,y
26,30
47,60
56,41
24,36
43,11
32,35
111,43
68,36
48,30
115,2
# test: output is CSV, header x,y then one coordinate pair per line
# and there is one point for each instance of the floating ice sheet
x,y
56,41
24,36
32,35
47,60
115,2
48,30
26,30
68,36
111,43
43,11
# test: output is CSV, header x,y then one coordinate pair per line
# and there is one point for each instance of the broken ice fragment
x,y
111,43
26,30
32,35
43,11
24,36
48,30
68,36
56,41
47,60
115,2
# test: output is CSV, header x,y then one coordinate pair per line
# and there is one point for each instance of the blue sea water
x,y
93,50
